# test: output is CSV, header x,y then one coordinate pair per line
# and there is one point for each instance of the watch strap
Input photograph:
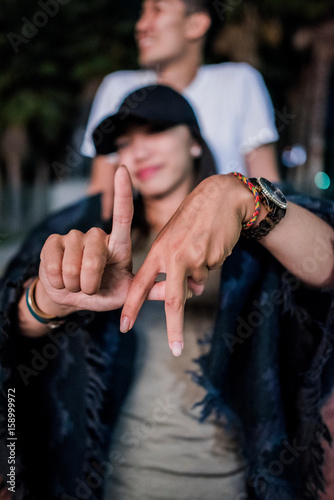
x,y
275,214
263,228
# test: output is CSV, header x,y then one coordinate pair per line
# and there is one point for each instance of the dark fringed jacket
x,y
268,372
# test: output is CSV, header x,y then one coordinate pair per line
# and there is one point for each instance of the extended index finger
x,y
176,292
123,207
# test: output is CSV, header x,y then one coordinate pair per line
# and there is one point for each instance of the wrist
x,y
275,204
251,212
47,305
30,321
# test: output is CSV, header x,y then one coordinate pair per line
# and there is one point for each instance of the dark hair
x,y
197,5
212,9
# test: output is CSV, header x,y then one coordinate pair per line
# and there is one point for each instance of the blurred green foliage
x,y
49,50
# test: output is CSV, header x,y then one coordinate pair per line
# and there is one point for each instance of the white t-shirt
x,y
231,102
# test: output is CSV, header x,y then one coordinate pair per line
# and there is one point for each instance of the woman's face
x,y
158,162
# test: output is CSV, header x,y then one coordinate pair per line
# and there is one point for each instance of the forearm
x,y
304,244
102,181
262,161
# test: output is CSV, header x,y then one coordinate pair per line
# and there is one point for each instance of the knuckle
x,y
215,264
89,289
52,269
70,270
174,304
122,220
51,241
95,233
74,234
178,254
141,285
216,257
200,278
53,238
92,263
198,254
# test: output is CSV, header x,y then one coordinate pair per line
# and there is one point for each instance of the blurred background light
x,y
293,156
322,180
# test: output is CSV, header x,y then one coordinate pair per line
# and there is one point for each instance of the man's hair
x,y
207,6
197,6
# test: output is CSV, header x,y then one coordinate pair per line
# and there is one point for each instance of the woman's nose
x,y
140,147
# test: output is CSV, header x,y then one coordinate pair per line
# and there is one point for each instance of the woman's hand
x,y
93,270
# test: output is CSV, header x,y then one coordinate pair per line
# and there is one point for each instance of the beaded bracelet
x,y
251,187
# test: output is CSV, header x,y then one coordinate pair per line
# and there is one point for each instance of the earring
x,y
196,151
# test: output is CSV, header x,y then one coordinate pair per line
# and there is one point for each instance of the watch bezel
x,y
273,193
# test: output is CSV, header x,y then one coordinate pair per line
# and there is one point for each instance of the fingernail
x,y
125,324
176,348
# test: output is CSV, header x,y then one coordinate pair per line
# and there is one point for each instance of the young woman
x,y
90,443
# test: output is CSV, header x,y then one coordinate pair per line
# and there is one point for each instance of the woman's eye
x,y
122,144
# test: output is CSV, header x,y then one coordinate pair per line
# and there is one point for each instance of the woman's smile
x,y
147,172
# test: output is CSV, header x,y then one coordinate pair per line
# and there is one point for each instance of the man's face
x,y
161,32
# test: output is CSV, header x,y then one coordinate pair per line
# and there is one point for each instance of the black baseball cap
x,y
156,104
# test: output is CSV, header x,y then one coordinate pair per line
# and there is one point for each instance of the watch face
x,y
273,192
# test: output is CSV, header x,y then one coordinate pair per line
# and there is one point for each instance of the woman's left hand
x,y
93,270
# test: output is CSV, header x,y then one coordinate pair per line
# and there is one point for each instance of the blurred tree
x,y
49,51
53,54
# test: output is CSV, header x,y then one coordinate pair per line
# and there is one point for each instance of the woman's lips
x,y
146,173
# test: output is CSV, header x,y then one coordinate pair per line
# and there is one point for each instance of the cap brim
x,y
106,133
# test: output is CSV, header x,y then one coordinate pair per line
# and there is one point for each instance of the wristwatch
x,y
274,202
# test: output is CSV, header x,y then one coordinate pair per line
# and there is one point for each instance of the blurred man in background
x,y
231,101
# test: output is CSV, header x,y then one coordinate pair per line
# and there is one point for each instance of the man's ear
x,y
197,25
